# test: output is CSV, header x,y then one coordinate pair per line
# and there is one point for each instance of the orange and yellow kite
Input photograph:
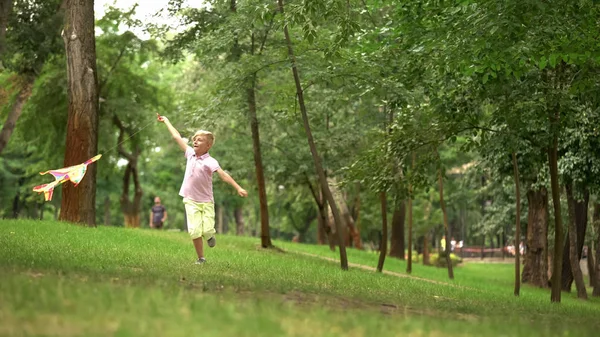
x,y
73,173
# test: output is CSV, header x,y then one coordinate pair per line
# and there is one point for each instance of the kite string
x,y
131,136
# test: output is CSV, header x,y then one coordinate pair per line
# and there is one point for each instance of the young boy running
x,y
196,188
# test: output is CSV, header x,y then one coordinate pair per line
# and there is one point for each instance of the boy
x,y
158,214
196,188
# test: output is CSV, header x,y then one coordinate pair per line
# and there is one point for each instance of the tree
x,y
311,144
79,203
27,49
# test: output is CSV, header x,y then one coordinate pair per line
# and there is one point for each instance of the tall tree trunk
x,y
384,230
410,219
397,238
591,265
16,205
79,203
26,86
558,230
239,220
580,218
535,269
356,213
131,208
5,10
265,236
596,221
574,252
446,226
323,228
517,227
313,148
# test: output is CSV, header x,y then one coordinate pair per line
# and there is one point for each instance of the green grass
x,y
62,279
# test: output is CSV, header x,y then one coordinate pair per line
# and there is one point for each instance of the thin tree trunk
x,y
446,226
410,219
573,245
517,227
16,110
313,148
131,208
322,225
265,237
79,203
596,221
384,238
239,220
397,238
596,292
591,266
580,218
535,269
558,230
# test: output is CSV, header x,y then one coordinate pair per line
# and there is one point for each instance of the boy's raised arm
x,y
182,143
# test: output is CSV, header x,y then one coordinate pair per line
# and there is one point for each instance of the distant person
x,y
197,189
158,214
452,244
443,243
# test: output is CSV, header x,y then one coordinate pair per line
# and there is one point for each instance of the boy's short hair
x,y
209,136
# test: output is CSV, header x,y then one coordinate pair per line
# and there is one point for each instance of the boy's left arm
x,y
228,179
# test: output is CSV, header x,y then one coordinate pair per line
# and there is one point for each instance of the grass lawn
x,y
66,280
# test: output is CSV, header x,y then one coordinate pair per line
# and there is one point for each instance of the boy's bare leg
x,y
199,245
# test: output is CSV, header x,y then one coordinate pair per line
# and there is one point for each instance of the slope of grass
x,y
62,279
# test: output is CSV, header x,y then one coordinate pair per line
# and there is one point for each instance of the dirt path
x,y
362,266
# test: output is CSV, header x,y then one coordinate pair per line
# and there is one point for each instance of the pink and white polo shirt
x,y
197,183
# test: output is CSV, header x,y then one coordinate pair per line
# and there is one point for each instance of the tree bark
x,y
131,208
79,203
265,236
446,225
239,220
16,110
591,265
558,230
574,252
596,281
517,289
535,269
580,218
313,148
397,238
384,230
410,219
323,228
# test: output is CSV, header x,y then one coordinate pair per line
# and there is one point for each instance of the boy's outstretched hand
x,y
161,118
242,192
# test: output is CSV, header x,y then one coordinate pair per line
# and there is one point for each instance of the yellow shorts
x,y
200,218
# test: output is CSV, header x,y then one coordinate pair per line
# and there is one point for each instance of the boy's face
x,y
201,145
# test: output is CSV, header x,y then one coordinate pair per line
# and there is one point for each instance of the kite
x,y
73,173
